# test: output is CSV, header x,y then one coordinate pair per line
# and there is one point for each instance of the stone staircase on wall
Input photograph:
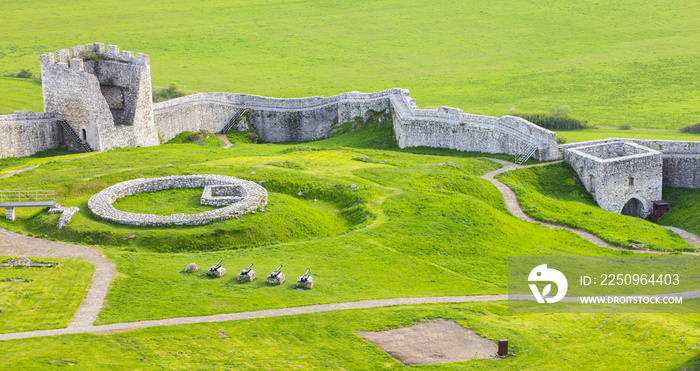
x,y
81,143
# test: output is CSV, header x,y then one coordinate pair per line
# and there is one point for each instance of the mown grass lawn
x,y
328,340
41,298
628,62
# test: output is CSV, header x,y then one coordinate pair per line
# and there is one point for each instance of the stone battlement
x,y
65,57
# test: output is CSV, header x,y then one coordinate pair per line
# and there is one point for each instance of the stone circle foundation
x,y
249,196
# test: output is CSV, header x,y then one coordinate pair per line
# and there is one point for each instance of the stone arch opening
x,y
84,134
634,207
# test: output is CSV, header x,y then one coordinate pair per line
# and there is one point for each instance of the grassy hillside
x,y
685,209
559,198
626,62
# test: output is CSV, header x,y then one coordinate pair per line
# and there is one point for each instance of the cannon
x,y
306,281
247,270
217,270
305,276
276,277
277,271
247,274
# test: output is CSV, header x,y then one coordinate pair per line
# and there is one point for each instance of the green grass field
x,y
328,341
41,298
413,227
629,62
572,136
559,198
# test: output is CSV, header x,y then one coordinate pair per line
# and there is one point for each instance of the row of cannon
x,y
248,274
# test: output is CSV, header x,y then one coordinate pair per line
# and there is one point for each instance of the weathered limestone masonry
x,y
254,197
26,133
104,96
681,159
623,177
303,119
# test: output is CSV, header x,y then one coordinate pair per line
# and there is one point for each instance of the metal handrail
x,y
27,196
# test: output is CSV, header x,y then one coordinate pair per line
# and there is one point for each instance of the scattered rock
x,y
252,172
639,246
382,161
191,268
533,207
450,163
300,193
26,262
438,187
354,186
169,165
315,200
261,182
130,236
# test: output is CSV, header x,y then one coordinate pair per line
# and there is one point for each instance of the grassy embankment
x,y
559,198
628,62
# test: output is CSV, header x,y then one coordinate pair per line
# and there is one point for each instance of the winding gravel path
x,y
14,172
511,201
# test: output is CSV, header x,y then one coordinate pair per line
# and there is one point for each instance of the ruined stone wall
x,y
303,119
104,96
681,159
616,172
26,133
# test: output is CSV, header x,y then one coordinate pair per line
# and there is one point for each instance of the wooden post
x,y
503,347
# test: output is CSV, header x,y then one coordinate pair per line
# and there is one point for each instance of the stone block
x,y
10,213
309,283
217,273
246,277
276,280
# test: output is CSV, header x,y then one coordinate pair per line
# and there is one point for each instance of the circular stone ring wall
x,y
254,197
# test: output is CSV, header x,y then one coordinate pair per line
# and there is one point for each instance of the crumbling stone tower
x,y
104,96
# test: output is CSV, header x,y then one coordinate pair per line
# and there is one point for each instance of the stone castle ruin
x,y
100,99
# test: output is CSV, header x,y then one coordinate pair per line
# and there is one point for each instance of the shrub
x,y
170,92
555,121
24,74
561,139
88,55
252,137
692,129
625,127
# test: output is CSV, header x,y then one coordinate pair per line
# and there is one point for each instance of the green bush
x,y
625,127
555,120
691,129
24,74
561,139
170,92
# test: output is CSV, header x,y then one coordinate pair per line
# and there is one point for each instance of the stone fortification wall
x,y
26,133
615,173
681,159
304,119
104,96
